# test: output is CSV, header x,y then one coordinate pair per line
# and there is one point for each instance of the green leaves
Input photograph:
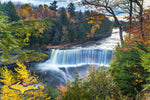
x,y
98,85
15,35
127,71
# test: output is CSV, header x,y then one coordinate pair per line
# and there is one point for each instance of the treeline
x,y
67,25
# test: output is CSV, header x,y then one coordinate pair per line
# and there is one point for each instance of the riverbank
x,y
47,52
15,58
97,37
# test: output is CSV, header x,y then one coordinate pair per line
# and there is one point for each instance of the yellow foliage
x,y
8,79
138,81
91,22
93,29
62,89
25,74
13,93
97,26
72,20
68,15
95,21
25,13
102,17
6,76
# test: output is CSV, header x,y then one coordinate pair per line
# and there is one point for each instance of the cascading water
x,y
61,65
77,57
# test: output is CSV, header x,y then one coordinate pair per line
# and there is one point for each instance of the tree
x,y
133,8
107,6
53,5
128,72
80,16
45,11
71,33
10,11
63,17
71,10
126,67
14,36
23,76
97,86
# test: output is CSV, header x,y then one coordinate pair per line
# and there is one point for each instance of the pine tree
x,y
10,11
71,10
126,70
53,6
63,17
80,16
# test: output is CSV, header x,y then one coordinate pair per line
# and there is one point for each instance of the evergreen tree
x,y
63,17
11,12
53,6
128,72
71,10
87,13
71,33
80,16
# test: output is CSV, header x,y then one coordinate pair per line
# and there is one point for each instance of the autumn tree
x,y
107,6
14,36
41,8
126,65
10,79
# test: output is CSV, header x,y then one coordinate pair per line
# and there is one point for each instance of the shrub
x,y
97,86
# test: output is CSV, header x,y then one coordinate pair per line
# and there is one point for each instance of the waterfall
x,y
62,64
78,57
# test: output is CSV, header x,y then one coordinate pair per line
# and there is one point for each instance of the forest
x,y
26,31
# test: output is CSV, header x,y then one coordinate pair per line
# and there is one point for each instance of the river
x,y
62,64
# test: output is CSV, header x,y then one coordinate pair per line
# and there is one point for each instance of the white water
x,y
62,63
106,43
90,53
77,57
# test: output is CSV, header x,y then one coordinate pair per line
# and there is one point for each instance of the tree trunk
x,y
121,34
130,19
141,16
109,9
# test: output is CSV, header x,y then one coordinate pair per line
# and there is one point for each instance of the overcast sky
x,y
61,3
36,2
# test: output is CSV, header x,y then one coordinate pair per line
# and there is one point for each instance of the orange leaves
x,y
93,29
41,30
97,26
72,20
68,15
137,36
25,13
91,22
93,12
62,89
95,21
